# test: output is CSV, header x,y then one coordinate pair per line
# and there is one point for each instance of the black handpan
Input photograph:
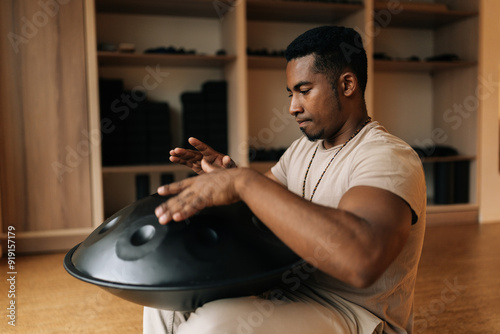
x,y
221,252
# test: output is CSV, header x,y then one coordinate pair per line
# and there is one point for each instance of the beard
x,y
313,137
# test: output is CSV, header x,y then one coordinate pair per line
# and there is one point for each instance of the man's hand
x,y
216,187
193,158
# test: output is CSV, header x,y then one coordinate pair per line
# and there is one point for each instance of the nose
x,y
295,106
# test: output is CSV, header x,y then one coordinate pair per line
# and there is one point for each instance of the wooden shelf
x,y
299,11
421,15
420,66
144,59
452,214
191,8
455,158
443,208
166,168
279,63
263,62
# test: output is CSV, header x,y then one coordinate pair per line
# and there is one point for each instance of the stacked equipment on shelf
x,y
134,131
205,115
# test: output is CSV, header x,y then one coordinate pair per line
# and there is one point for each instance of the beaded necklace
x,y
329,163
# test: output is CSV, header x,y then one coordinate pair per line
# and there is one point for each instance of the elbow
x,y
366,273
364,278
359,279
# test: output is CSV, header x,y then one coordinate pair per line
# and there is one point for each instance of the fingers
x,y
216,187
174,187
181,155
227,162
206,150
178,208
207,167
170,210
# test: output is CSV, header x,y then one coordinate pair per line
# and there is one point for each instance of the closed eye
x,y
303,92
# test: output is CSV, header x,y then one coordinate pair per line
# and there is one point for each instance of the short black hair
x,y
335,49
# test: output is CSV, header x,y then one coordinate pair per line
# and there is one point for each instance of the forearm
x,y
354,242
338,242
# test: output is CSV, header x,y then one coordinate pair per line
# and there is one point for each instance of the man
x,y
348,197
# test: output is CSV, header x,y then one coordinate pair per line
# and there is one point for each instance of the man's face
x,y
314,104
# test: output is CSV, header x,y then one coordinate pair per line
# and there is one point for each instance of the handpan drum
x,y
221,252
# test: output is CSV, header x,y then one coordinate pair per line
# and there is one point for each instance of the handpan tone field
x,y
221,252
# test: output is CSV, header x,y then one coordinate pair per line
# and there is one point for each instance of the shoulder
x,y
385,161
292,158
377,143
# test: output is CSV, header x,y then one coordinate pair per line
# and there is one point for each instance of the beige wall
x,y
489,67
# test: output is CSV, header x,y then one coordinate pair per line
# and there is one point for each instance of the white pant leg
x,y
254,315
161,322
298,312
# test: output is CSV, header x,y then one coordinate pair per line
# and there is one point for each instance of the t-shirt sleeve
x,y
396,168
280,169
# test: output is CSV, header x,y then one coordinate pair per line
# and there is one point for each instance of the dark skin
x,y
192,158
362,236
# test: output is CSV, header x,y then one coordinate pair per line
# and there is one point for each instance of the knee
x,y
205,320
229,316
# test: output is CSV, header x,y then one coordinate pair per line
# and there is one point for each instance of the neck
x,y
347,132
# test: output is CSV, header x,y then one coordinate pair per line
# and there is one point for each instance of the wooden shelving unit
x,y
266,62
416,88
422,15
420,66
429,87
263,62
166,168
299,11
175,60
193,8
416,16
455,158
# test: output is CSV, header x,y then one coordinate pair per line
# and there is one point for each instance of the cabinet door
x,y
44,134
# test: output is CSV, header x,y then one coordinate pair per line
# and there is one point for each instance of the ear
x,y
348,83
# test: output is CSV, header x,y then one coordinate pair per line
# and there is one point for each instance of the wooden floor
x,y
458,290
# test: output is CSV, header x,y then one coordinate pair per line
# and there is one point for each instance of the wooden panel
x,y
191,8
45,138
456,290
234,41
262,62
420,66
454,214
299,11
47,241
167,168
12,161
457,282
422,15
51,301
137,59
94,114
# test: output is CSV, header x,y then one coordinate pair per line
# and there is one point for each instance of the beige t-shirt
x,y
372,158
